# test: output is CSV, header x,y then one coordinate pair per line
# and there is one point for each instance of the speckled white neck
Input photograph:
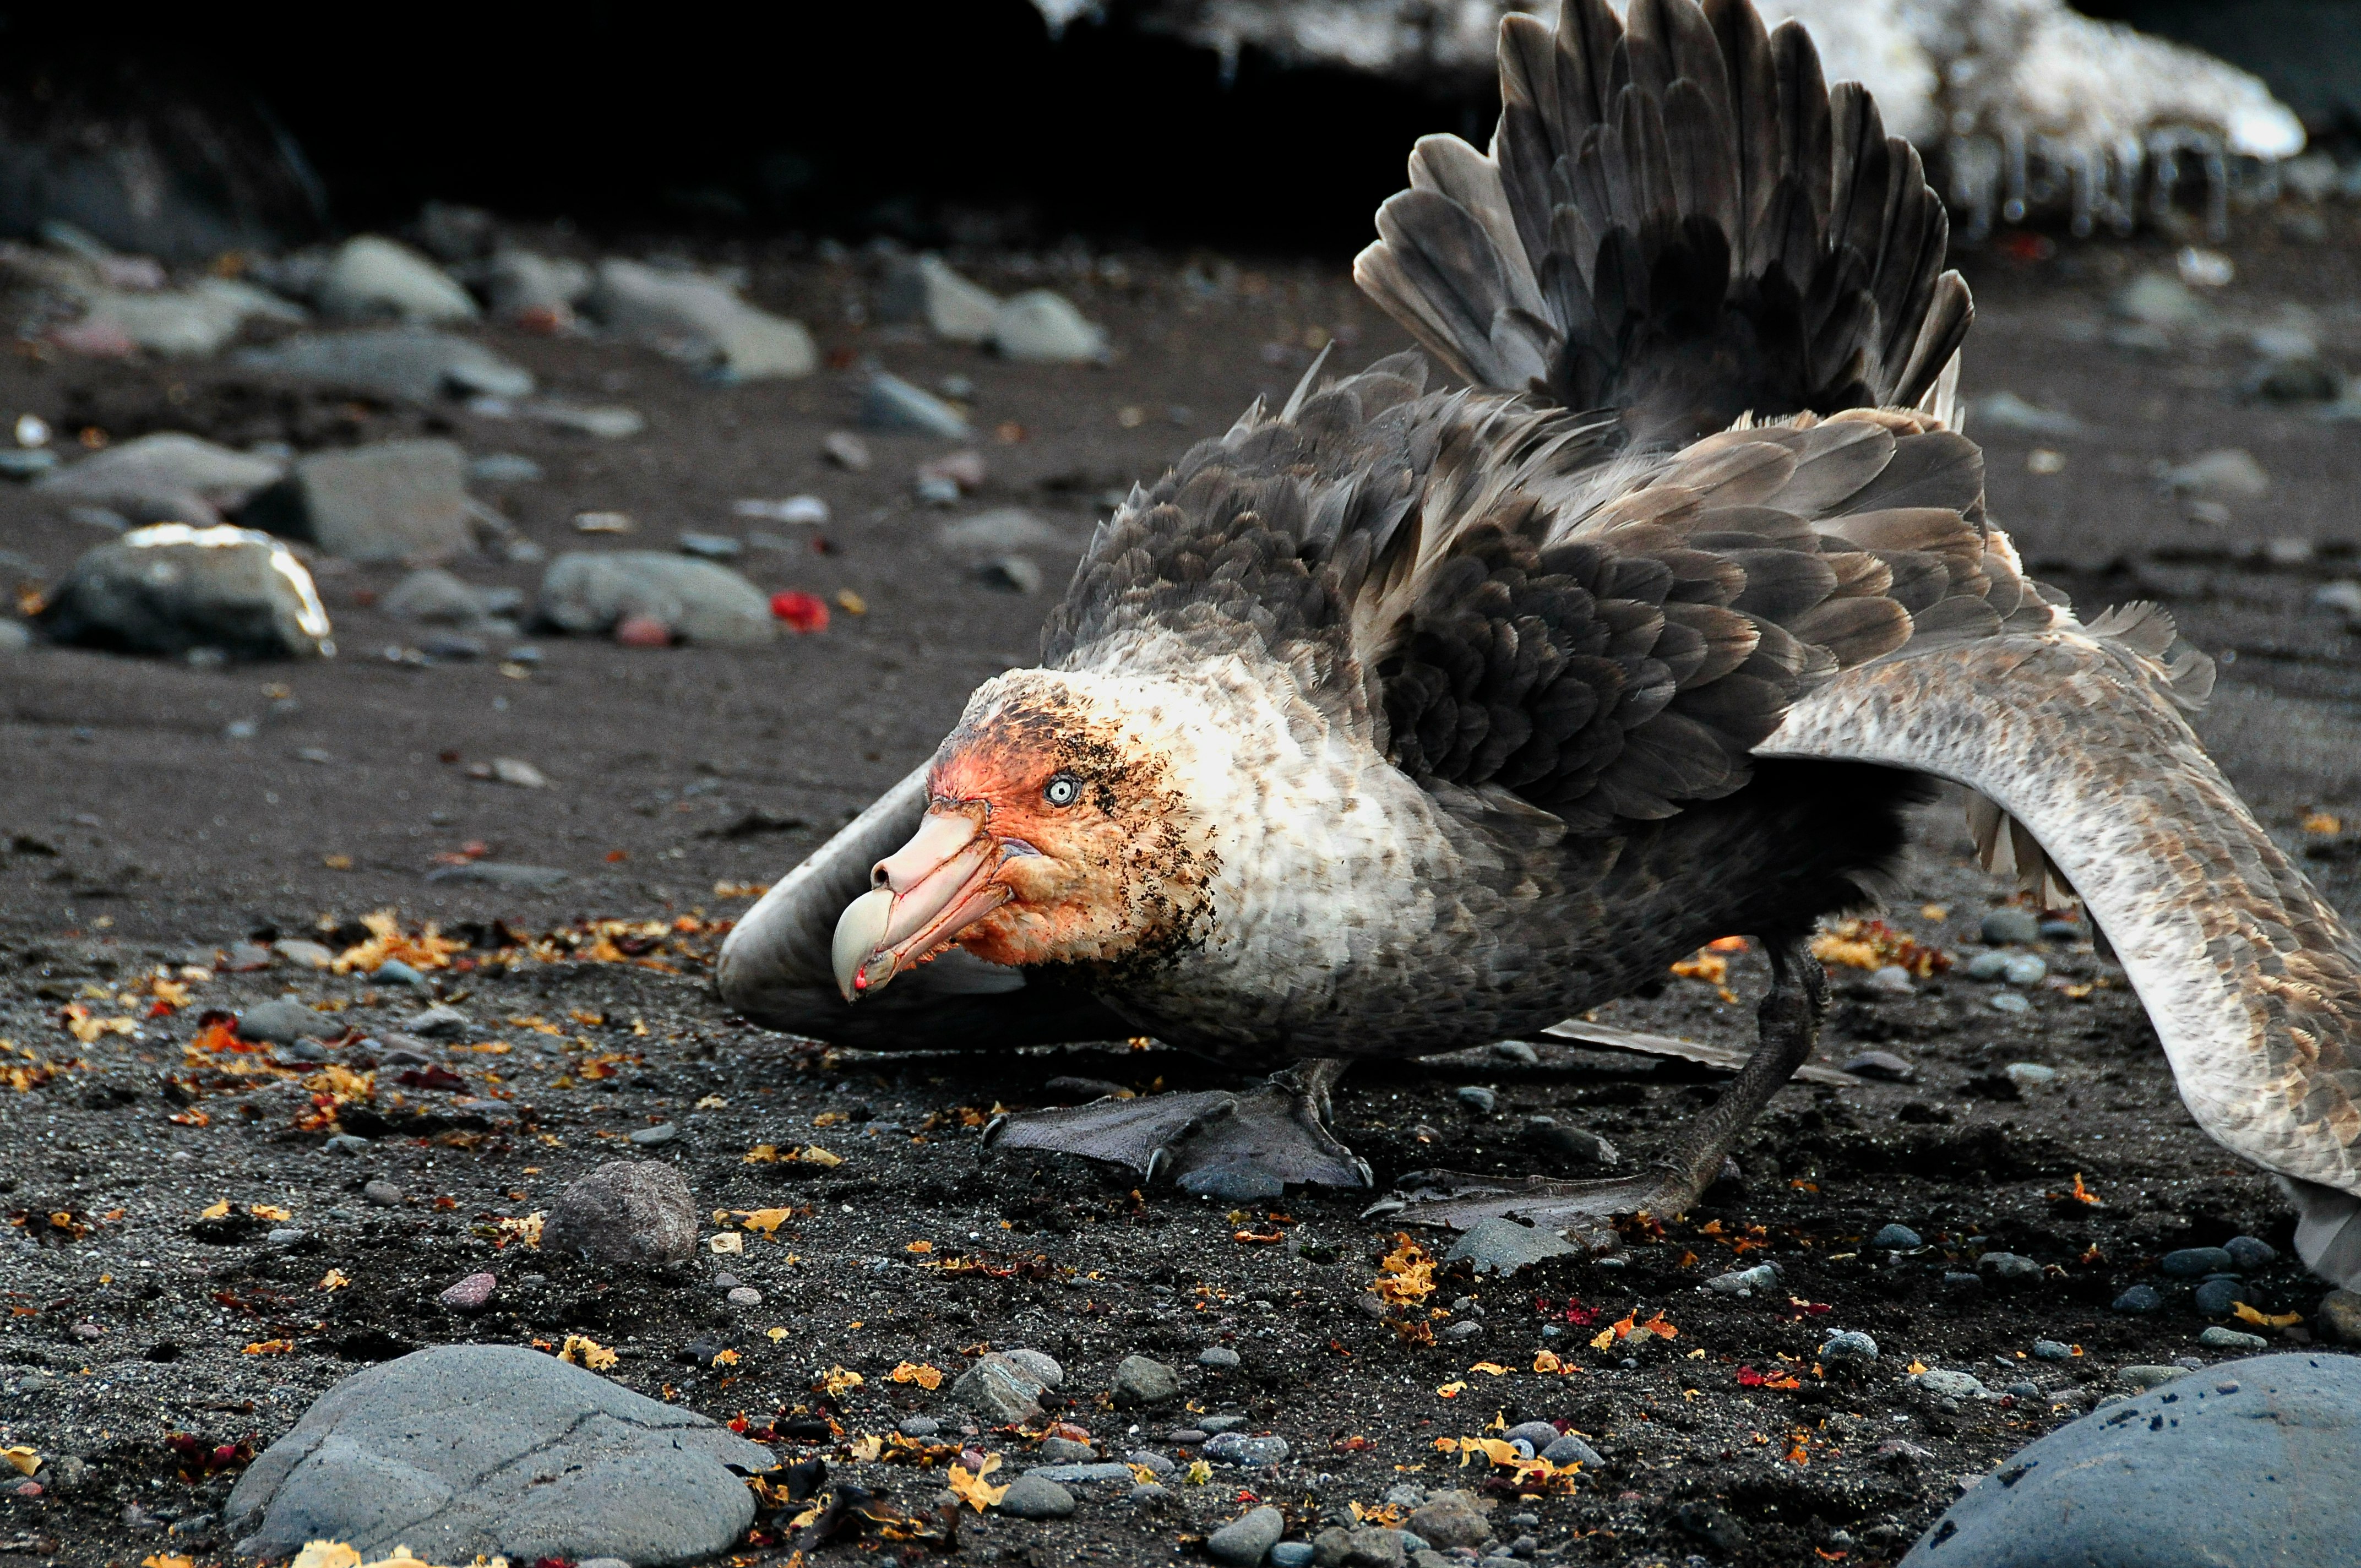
x,y
1326,856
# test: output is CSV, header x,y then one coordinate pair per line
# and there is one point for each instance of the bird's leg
x,y
1239,1147
1790,1025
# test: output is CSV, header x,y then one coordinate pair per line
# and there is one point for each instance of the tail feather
x,y
1676,220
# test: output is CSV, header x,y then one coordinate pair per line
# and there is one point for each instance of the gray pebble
x,y
345,1143
1517,1051
1960,1283
286,1235
711,546
1063,1450
1149,1459
1478,1099
1557,1143
1236,1448
726,1281
1140,1380
1149,1492
2025,969
2060,931
1036,1497
1406,1496
918,1426
2052,1350
1219,1355
2191,1262
2140,1298
1571,1450
2021,1390
1896,1238
2216,1337
2009,1267
381,1194
1221,1423
1041,1364
2002,926
1243,1543
2248,1253
471,1294
1540,1434
1290,1554
2028,1075
1745,1282
603,1563
1949,1385
1851,1345
2218,1297
2146,1376
2010,1001
1891,979
744,1296
1073,1475
1987,966
650,1137
1010,573
1467,1327
1883,1066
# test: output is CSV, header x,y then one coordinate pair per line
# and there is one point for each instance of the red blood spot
x,y
805,612
642,631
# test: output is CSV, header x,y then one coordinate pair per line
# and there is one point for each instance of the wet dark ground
x,y
139,831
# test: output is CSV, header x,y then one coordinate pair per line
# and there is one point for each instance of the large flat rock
x,y
473,1449
2255,1461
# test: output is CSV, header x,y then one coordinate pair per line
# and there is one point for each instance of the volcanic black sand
x,y
134,827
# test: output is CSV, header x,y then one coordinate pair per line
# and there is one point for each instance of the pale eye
x,y
1063,790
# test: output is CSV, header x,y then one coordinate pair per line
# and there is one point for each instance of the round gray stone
x,y
2253,1460
2011,925
624,1211
1041,1364
2195,1262
1572,1449
1036,1497
169,588
996,1388
1219,1357
1140,1380
1236,1448
1244,1541
2247,1253
1451,1518
473,1449
1851,1345
1896,1238
279,1023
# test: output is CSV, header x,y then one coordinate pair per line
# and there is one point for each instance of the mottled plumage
x,y
1406,719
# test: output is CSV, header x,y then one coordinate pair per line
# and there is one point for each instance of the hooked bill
x,y
859,930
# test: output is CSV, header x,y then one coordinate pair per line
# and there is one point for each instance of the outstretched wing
x,y
2252,981
1678,220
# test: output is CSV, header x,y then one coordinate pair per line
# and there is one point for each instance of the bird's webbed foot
x,y
1584,1211
1234,1145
